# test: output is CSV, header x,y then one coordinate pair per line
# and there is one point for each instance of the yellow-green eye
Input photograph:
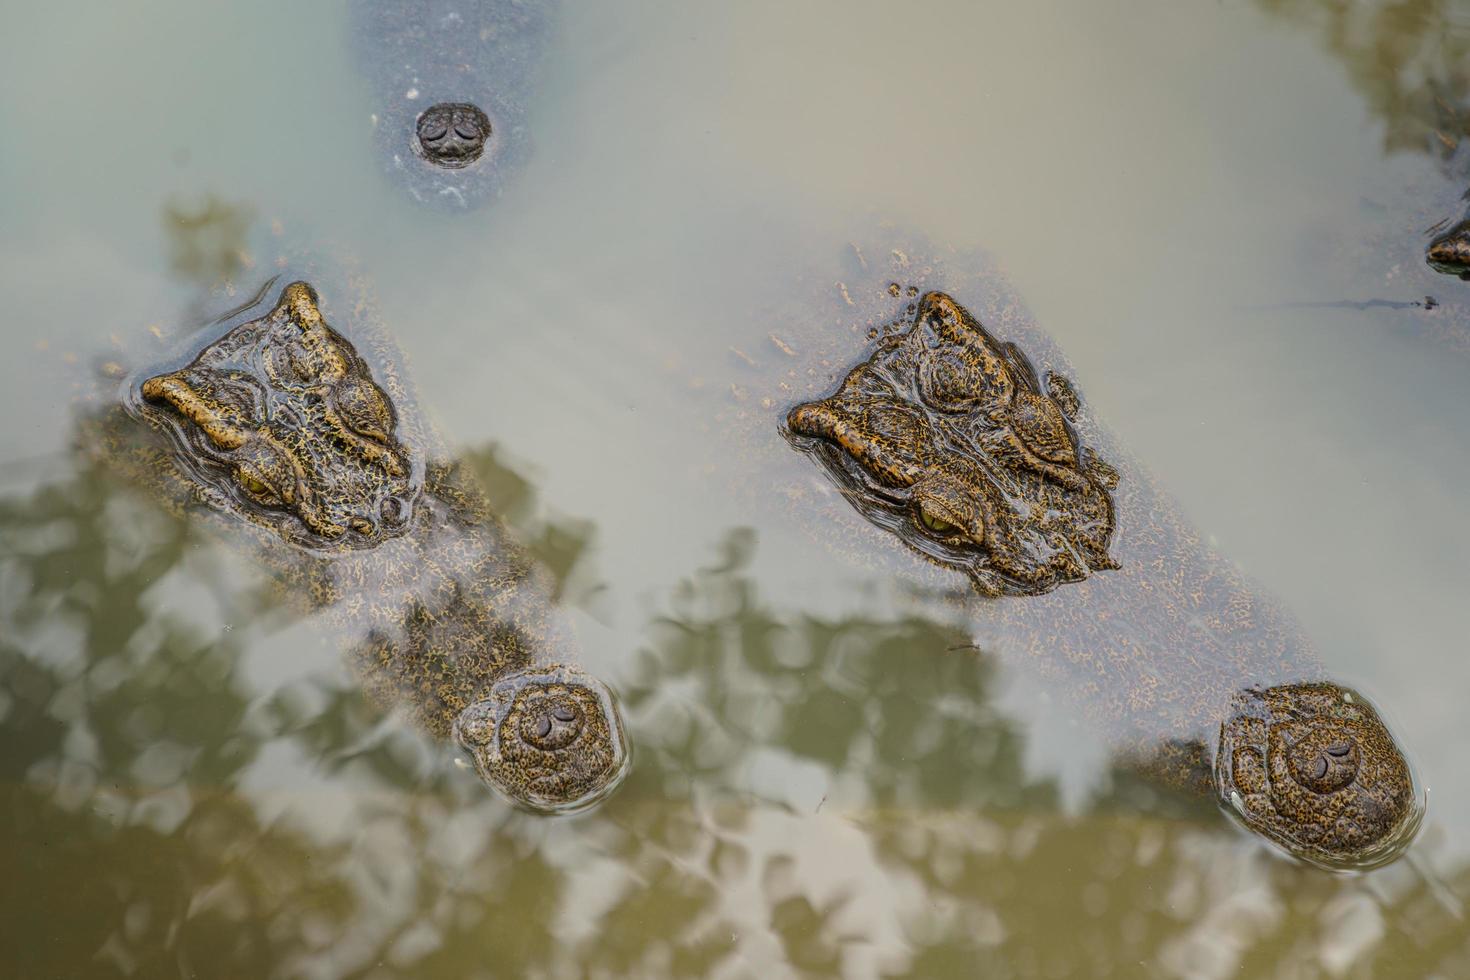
x,y
253,485
937,524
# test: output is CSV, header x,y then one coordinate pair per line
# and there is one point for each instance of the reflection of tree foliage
x,y
207,243
883,705
128,740
1403,57
561,544
809,796
124,728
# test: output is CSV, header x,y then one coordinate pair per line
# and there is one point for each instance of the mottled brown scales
x,y
947,426
1167,652
289,438
282,412
1313,767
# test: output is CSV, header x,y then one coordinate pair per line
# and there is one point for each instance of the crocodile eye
x,y
257,488
937,524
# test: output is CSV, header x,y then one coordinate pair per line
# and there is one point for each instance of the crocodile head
x,y
280,422
946,437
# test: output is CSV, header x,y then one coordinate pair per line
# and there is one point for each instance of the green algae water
x,y
1219,212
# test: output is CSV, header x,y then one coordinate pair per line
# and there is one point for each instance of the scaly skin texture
x,y
287,413
1172,658
1313,768
950,427
286,437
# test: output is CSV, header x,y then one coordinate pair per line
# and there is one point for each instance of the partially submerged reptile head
x,y
946,437
1313,768
1449,252
551,739
280,422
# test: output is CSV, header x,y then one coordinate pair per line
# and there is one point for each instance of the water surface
x,y
827,779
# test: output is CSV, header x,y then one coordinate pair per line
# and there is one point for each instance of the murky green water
x,y
826,780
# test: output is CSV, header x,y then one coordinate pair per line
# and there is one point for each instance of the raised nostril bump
x,y
452,134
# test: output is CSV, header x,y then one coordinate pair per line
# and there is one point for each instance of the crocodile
x,y
950,425
306,449
450,82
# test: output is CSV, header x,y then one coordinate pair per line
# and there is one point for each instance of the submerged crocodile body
x,y
306,447
958,433
450,81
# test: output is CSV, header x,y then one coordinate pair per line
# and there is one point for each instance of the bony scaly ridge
x,y
945,435
308,434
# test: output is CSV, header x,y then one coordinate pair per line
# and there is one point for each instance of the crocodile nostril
x,y
452,134
1322,761
563,713
544,728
